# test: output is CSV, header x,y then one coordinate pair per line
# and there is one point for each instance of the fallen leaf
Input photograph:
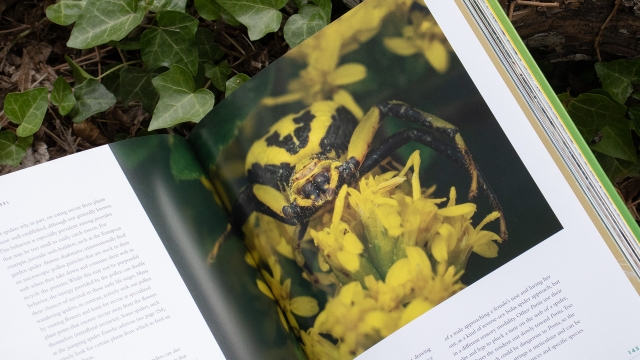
x,y
24,74
90,133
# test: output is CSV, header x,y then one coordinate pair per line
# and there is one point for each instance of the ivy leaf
x,y
616,141
62,96
65,12
301,26
111,81
617,168
162,5
27,109
228,18
325,6
13,148
617,77
592,112
208,9
78,73
179,21
208,50
167,47
128,44
135,84
218,74
178,101
92,98
234,83
634,114
104,20
259,16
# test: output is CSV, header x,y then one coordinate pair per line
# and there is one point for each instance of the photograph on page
x,y
369,178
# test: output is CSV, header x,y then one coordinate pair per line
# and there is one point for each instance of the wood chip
x,y
90,133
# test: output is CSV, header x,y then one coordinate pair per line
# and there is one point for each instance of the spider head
x,y
313,183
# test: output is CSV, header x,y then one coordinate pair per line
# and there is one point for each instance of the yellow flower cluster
x,y
397,256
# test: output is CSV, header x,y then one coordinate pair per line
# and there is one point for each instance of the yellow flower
x,y
304,306
338,242
424,37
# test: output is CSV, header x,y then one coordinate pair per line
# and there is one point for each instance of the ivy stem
x,y
118,67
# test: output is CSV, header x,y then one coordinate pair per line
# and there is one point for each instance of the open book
x,y
399,186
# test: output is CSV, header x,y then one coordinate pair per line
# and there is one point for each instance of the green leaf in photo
x,y
62,96
617,142
301,26
65,12
13,148
164,47
178,101
136,85
27,109
618,76
218,74
163,5
208,9
92,98
179,21
234,83
104,20
259,16
592,112
78,73
208,50
184,165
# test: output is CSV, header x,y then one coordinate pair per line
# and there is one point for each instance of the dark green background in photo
x,y
165,176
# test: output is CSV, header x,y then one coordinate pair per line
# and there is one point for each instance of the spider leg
x,y
368,126
392,143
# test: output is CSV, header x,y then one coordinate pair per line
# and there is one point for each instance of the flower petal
x,y
416,308
304,306
437,55
488,250
439,249
352,244
348,74
466,209
400,46
399,273
350,261
265,289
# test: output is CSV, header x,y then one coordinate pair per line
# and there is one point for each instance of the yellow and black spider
x,y
305,158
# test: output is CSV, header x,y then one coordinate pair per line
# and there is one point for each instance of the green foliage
x,y
62,96
218,74
101,21
13,148
618,76
259,16
234,83
178,100
171,43
92,97
604,120
136,85
307,22
27,109
208,9
65,12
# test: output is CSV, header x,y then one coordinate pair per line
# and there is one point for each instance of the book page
x,y
84,274
401,204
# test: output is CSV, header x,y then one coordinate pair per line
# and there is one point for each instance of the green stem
x,y
118,67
